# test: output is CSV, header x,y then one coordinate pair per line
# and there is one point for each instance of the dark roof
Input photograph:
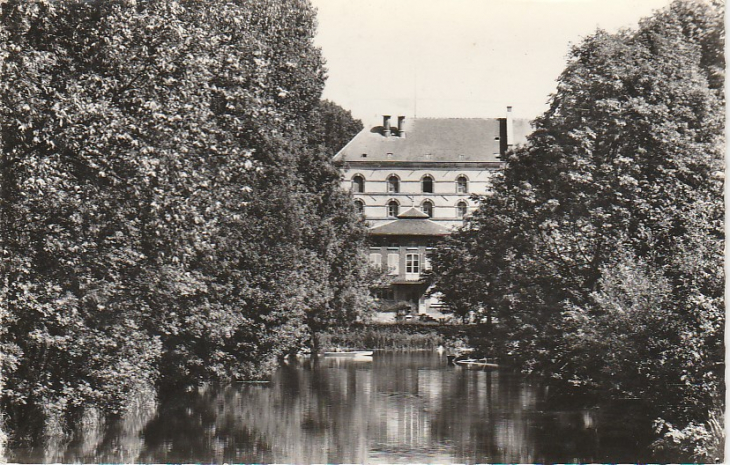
x,y
435,140
413,213
410,227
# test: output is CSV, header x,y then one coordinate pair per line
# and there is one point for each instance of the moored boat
x,y
350,353
476,363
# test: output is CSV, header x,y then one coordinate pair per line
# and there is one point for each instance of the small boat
x,y
350,353
476,363
460,354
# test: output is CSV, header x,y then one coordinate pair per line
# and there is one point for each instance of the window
x,y
359,207
384,293
393,259
392,209
375,260
427,262
461,209
462,185
413,266
427,208
427,185
358,184
393,184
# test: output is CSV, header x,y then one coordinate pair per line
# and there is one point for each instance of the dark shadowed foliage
x,y
167,217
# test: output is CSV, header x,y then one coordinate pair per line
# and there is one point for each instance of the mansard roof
x,y
436,140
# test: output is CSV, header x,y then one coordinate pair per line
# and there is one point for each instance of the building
x,y
401,248
413,179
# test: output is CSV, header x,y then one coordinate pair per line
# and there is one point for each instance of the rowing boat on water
x,y
476,362
350,353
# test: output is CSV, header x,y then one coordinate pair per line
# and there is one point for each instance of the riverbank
x,y
402,336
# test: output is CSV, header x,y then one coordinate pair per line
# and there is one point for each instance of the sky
x,y
457,58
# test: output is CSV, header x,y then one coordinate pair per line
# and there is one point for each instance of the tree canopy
x,y
599,250
168,216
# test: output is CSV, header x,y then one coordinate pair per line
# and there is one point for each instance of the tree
x,y
330,126
165,219
621,179
334,232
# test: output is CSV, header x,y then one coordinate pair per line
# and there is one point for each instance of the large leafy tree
x,y
165,217
600,247
334,232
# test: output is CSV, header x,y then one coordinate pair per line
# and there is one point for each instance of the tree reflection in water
x,y
397,407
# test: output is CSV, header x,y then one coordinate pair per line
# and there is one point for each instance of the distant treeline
x,y
598,254
169,210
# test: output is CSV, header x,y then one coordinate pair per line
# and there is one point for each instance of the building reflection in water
x,y
396,407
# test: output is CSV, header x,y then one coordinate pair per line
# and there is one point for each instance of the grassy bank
x,y
406,336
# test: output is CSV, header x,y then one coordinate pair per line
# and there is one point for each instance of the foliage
x,y
599,251
699,443
396,337
398,307
330,126
166,217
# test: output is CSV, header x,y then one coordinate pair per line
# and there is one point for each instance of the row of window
x,y
426,207
414,264
393,184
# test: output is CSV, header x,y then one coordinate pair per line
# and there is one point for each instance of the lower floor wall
x,y
400,300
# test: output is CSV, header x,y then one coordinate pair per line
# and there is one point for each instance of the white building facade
x,y
433,165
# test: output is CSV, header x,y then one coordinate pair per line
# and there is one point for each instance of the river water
x,y
399,407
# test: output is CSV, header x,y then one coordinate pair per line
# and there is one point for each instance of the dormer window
x,y
427,185
358,184
389,155
393,184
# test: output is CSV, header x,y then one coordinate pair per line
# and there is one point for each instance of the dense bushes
x,y
168,215
406,336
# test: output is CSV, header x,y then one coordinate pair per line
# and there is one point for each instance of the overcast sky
x,y
456,58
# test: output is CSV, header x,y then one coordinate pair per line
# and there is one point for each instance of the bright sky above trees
x,y
457,58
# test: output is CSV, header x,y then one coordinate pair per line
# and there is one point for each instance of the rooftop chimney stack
x,y
386,125
401,126
510,128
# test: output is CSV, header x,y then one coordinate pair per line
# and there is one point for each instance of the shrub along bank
x,y
405,336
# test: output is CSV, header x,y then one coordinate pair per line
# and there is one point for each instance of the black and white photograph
x,y
362,231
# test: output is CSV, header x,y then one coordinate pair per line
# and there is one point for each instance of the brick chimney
x,y
401,126
386,125
510,128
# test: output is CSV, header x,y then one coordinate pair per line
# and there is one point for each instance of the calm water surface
x,y
395,407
